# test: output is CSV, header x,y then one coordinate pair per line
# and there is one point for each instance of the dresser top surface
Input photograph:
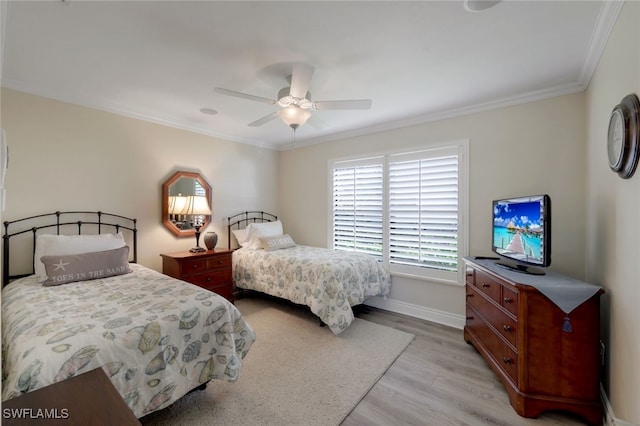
x,y
189,255
566,292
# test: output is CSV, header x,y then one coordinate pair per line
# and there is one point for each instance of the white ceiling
x,y
417,61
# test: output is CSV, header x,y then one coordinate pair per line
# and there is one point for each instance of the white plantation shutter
x,y
358,207
404,207
423,209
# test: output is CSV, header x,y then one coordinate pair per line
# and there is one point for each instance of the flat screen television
x,y
522,233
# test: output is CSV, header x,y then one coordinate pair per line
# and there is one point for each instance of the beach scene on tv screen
x,y
517,230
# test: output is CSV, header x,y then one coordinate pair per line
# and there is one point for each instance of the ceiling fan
x,y
295,100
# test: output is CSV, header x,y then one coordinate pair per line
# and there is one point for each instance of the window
x,y
405,208
358,208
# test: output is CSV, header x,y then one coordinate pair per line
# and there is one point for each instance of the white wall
x,y
613,206
66,157
526,149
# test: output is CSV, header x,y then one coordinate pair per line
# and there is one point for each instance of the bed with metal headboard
x,y
328,281
88,304
242,220
62,223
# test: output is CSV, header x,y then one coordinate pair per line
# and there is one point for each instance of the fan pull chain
x,y
293,136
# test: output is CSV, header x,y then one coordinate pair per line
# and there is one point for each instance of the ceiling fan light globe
x,y
294,116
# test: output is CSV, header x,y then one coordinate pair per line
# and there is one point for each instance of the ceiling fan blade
x,y
244,95
317,123
352,104
263,120
300,80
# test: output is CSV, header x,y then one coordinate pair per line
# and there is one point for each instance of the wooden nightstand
x,y
86,399
210,269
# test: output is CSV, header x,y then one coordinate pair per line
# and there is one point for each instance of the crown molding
x,y
606,21
519,99
126,112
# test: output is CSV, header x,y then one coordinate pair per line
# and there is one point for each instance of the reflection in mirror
x,y
186,201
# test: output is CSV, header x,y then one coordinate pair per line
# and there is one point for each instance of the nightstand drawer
x,y
219,262
213,278
196,266
199,265
224,290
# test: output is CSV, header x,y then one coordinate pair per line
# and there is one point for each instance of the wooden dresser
x,y
210,269
545,361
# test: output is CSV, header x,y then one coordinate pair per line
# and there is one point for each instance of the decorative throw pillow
x,y
54,245
278,242
257,230
86,266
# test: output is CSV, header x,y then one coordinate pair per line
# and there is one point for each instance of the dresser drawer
x,y
509,299
499,320
486,284
504,357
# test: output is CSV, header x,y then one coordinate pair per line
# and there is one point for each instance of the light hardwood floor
x,y
439,380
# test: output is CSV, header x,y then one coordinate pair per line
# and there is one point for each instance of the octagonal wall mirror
x,y
177,192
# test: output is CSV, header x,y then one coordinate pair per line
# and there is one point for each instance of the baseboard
x,y
428,314
609,418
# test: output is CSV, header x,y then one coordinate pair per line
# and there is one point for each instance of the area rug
x,y
296,373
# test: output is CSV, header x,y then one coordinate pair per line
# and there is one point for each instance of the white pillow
x,y
240,234
255,231
53,245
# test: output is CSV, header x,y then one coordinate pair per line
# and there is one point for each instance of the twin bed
x,y
329,282
155,337
87,304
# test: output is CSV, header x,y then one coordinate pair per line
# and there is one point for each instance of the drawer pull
x,y
469,295
508,300
194,266
485,285
507,360
469,318
208,279
506,327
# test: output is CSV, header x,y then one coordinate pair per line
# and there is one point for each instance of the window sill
x,y
430,279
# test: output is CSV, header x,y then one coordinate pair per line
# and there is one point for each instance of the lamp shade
x,y
294,116
177,204
197,205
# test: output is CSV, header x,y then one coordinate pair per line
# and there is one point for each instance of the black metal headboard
x,y
99,222
241,220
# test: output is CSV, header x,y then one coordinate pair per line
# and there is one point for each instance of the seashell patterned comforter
x,y
156,337
328,281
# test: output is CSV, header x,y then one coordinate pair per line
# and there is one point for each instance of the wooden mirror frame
x,y
166,220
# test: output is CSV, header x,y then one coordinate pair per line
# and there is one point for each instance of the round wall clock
x,y
623,142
